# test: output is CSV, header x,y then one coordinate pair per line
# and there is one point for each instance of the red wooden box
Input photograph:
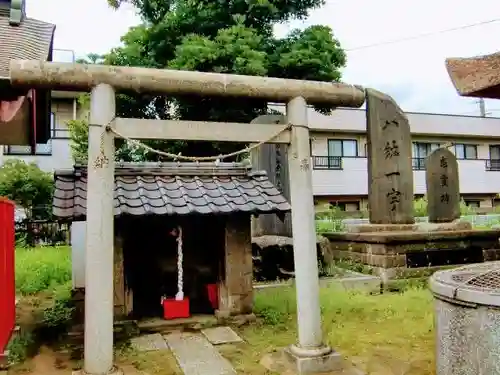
x,y
173,309
213,295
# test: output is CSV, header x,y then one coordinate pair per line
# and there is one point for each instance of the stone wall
x,y
235,289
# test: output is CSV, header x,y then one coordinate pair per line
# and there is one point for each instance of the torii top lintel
x,y
476,76
82,77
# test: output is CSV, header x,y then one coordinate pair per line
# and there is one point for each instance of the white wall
x,y
60,159
78,231
353,179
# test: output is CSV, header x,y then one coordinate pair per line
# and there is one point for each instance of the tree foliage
x,y
28,186
226,36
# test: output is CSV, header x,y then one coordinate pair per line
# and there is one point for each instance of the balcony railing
x,y
418,164
327,162
492,164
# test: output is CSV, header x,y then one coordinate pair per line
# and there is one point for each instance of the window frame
x,y
465,146
497,147
342,147
428,150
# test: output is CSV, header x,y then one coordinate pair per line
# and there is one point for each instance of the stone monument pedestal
x,y
414,250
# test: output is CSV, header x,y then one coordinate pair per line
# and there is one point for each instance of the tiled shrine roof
x,y
173,189
476,76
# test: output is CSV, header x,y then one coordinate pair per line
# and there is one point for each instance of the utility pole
x,y
482,107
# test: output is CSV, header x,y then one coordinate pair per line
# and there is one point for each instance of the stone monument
x,y
392,245
443,194
390,175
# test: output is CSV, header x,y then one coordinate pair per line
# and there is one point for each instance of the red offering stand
x,y
175,309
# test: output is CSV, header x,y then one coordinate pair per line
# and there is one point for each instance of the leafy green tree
x,y
28,186
91,58
79,135
226,36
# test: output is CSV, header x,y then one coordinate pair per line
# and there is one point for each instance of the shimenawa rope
x,y
180,282
195,158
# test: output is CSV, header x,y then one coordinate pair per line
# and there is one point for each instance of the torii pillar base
x,y
287,362
114,371
313,361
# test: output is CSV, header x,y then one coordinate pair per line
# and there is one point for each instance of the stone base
x,y
402,254
285,363
417,227
319,361
114,371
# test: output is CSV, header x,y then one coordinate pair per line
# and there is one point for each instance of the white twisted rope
x,y
179,157
180,282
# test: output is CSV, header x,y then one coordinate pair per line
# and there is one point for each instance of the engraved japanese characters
x,y
390,174
442,181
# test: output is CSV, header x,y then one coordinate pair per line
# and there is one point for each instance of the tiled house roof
x,y
30,40
173,189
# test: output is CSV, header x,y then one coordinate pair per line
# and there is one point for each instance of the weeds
x,y
20,346
42,268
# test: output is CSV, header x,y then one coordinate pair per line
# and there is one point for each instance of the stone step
x,y
196,356
196,322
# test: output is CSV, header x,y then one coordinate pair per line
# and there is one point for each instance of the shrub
x,y
420,208
275,306
28,186
57,318
332,221
19,347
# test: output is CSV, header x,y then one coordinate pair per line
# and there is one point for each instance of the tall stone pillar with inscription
x,y
390,173
273,159
443,193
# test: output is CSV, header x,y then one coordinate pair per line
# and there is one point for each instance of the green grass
x,y
42,268
383,334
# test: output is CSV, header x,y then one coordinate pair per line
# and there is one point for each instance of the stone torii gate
x,y
310,353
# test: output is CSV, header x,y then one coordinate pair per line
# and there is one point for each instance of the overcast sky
x,y
413,72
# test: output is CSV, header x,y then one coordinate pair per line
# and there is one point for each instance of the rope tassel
x,y
180,282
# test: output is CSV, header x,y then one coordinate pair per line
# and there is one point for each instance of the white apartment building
x,y
338,150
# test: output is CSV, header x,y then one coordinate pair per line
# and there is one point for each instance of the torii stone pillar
x,y
310,355
99,248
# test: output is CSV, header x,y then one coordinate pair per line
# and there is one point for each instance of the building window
x,y
343,147
472,203
465,151
495,152
41,149
420,151
345,206
493,164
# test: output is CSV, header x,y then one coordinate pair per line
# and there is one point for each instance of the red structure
x,y
7,277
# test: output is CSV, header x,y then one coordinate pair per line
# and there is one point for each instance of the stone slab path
x,y
148,343
221,335
196,356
